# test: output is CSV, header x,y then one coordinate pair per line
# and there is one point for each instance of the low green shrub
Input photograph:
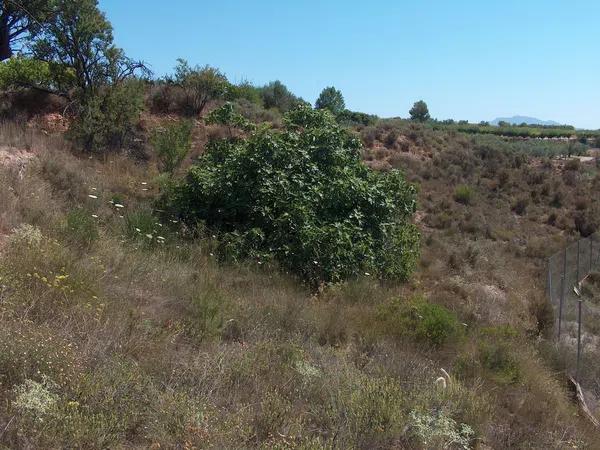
x,y
172,144
520,206
494,354
206,313
420,320
141,225
80,228
463,194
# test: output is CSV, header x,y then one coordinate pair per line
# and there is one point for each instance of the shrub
x,y
200,85
36,399
277,95
463,194
494,354
424,322
164,97
520,206
172,144
108,119
302,196
373,411
245,91
255,112
573,164
354,118
440,431
141,225
80,227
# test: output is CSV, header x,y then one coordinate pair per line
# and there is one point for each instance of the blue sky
x,y
473,60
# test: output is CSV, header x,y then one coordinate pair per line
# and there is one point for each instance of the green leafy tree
x,y
172,144
201,85
21,20
277,95
420,112
301,196
79,39
331,99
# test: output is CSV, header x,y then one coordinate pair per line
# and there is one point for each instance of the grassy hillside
x,y
120,330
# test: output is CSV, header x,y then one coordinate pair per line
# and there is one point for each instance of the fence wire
x,y
576,311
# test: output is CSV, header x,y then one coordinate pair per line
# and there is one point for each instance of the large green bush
x,y
301,196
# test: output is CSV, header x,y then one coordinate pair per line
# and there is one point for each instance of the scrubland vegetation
x,y
189,263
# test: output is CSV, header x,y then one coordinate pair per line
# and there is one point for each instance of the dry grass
x,y
113,339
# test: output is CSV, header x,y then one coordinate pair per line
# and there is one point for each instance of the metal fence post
x,y
562,292
578,340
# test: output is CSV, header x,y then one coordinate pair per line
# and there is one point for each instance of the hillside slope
x,y
114,337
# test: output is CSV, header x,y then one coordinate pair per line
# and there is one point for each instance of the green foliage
x,y
201,85
424,322
77,43
302,196
80,36
373,409
353,118
205,317
506,130
331,99
22,19
463,194
226,115
108,119
277,95
420,112
495,355
25,72
246,91
172,144
142,226
81,227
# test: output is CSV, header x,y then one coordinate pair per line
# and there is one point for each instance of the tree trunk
x,y
5,50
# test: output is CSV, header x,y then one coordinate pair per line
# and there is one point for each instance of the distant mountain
x,y
517,120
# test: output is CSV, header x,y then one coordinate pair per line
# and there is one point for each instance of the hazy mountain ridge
x,y
517,120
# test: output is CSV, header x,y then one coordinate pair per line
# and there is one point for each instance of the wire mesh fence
x,y
577,310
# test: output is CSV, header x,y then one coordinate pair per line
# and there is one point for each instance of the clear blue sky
x,y
468,59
